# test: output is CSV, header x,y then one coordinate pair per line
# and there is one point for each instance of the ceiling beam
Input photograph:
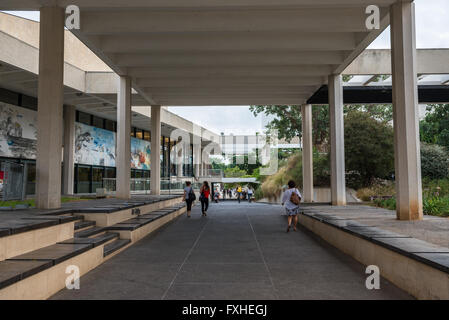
x,y
230,42
197,4
225,59
216,72
228,81
145,21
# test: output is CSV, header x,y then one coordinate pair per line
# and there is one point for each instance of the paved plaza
x,y
239,251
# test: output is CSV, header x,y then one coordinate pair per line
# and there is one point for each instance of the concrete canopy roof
x,y
223,52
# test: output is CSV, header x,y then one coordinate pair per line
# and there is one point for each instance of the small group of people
x,y
290,199
189,197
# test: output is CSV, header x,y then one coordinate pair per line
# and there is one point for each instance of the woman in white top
x,y
187,197
291,207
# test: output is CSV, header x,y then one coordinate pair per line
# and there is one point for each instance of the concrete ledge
x,y
106,219
41,273
20,243
146,229
422,274
46,283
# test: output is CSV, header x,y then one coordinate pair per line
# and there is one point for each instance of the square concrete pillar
x,y
69,149
49,113
307,152
155,183
179,158
123,158
338,186
197,159
405,112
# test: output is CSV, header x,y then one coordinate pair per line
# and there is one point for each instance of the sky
x,y
432,31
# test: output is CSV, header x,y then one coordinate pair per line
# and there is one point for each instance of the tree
x,y
242,162
435,126
287,120
434,161
369,148
234,172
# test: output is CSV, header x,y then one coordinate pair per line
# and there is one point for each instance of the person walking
x,y
239,192
291,200
250,194
189,197
204,197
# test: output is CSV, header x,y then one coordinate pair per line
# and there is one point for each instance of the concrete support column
x,y
197,159
155,184
338,187
123,158
179,159
69,149
307,152
405,112
49,113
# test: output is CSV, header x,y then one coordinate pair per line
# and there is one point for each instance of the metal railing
x,y
142,185
214,173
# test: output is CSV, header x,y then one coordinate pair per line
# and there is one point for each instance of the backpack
x,y
294,198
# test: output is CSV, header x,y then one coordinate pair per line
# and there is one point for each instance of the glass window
x,y
97,122
31,179
97,178
83,181
162,157
84,118
133,132
109,173
109,125
139,133
138,174
147,135
167,157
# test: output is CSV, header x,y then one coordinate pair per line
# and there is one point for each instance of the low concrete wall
x,y
109,219
24,242
418,279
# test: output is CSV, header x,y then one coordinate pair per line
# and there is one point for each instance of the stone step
x,y
90,232
114,246
84,224
56,253
95,241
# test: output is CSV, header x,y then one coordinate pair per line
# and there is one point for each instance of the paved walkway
x,y
240,251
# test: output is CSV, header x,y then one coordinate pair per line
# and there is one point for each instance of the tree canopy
x,y
435,126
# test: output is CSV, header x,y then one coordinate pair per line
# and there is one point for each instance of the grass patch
x,y
434,206
435,196
32,202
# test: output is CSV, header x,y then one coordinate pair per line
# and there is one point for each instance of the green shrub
x,y
436,206
439,187
386,203
258,194
434,161
321,169
380,188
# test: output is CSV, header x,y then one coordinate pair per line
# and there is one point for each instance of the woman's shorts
x,y
292,212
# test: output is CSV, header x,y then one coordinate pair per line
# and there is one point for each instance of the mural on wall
x,y
94,146
18,132
140,154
